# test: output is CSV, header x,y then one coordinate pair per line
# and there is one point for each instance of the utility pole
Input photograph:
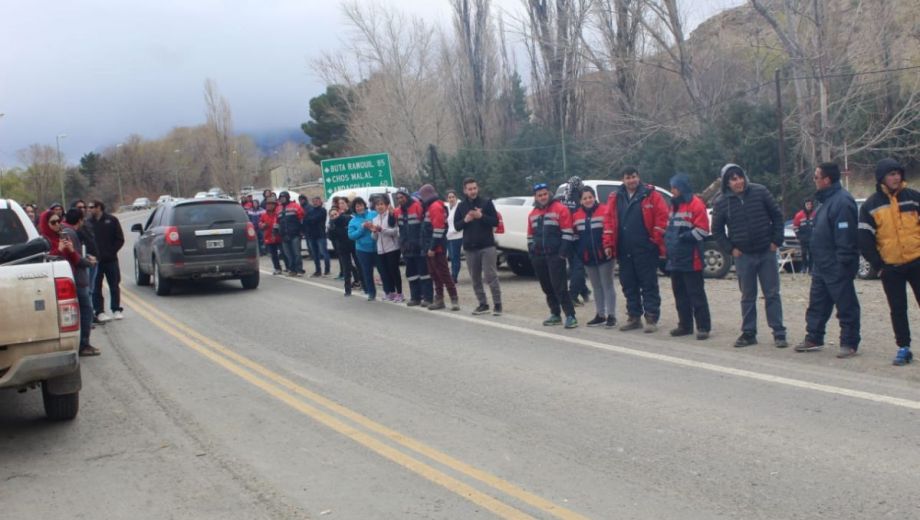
x,y
1,168
121,194
782,142
61,165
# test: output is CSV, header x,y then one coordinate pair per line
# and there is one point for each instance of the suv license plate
x,y
214,244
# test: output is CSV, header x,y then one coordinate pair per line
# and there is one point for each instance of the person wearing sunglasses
x,y
109,240
88,238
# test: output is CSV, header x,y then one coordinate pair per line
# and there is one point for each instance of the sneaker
x,y
398,298
497,311
632,323
808,345
904,357
702,334
571,322
340,277
425,304
388,297
780,342
455,305
611,322
679,331
413,303
597,321
846,352
554,319
370,298
88,350
118,315
317,274
276,272
745,340
325,273
347,293
103,317
482,309
651,325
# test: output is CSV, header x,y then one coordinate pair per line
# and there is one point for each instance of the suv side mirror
x,y
138,228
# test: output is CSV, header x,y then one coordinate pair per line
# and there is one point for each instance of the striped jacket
x,y
434,228
889,227
688,226
595,230
549,230
409,220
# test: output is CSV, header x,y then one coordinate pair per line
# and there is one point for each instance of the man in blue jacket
x,y
835,260
314,228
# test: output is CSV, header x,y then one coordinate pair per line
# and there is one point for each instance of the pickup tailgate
x,y
29,304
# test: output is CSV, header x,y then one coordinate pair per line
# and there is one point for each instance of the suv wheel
x,y
140,278
60,407
716,263
160,285
250,281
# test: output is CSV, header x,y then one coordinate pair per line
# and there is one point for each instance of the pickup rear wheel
x,y
60,407
519,264
716,262
140,277
160,285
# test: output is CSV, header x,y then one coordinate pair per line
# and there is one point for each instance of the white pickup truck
x,y
40,320
513,242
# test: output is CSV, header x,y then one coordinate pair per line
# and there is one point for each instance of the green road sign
x,y
362,171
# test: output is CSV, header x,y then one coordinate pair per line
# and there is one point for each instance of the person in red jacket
x,y
549,239
434,247
595,242
268,225
687,228
642,216
803,223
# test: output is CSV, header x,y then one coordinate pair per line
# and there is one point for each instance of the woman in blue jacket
x,y
360,230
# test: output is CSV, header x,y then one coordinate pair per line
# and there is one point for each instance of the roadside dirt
x,y
522,299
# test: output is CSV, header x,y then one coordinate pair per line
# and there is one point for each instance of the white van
x,y
365,193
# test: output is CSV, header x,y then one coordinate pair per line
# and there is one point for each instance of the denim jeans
x,y
368,261
454,248
763,267
291,249
112,275
319,250
86,315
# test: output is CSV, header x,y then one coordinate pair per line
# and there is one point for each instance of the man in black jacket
x,y
755,232
835,261
477,218
109,240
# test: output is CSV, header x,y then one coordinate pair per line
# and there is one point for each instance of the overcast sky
x,y
99,70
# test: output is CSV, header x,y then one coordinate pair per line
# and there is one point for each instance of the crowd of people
x,y
89,239
575,239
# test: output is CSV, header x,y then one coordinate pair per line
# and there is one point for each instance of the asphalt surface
x,y
292,401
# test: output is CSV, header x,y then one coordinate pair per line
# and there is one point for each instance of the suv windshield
x,y
209,214
11,229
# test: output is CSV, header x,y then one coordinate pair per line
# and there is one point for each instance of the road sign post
x,y
361,171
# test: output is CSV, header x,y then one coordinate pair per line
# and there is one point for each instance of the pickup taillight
x,y
68,305
171,233
250,231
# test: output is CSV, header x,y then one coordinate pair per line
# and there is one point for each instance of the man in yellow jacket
x,y
889,238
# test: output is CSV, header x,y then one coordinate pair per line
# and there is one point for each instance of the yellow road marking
x,y
226,358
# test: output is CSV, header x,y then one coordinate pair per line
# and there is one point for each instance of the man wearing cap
x,y
755,231
549,239
889,239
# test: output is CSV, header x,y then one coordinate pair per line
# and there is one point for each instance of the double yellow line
x,y
360,428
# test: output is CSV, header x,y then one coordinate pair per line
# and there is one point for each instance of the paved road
x,y
291,401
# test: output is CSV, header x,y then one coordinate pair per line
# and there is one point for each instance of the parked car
x,y
201,195
141,203
196,239
163,199
40,322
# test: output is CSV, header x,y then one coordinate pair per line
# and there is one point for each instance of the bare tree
x,y
43,172
224,152
473,71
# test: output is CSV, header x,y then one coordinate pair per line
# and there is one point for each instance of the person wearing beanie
x,y
409,216
549,238
889,239
434,247
803,223
836,261
755,232
688,226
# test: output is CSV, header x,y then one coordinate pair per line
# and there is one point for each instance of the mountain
x,y
268,140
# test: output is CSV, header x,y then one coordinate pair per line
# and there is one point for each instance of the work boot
x,y
808,345
745,340
904,357
846,351
554,319
570,322
425,303
413,303
680,331
436,305
597,321
632,323
702,334
651,324
780,342
454,304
